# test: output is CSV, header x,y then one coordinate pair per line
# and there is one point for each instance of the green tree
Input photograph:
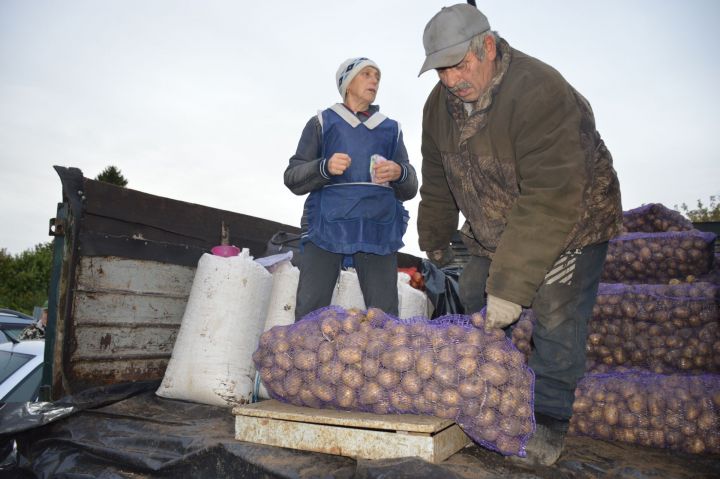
x,y
25,278
113,176
702,213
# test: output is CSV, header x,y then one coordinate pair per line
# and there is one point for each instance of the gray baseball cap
x,y
447,35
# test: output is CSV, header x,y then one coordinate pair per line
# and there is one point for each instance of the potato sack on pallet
x,y
654,218
372,362
660,328
652,258
680,412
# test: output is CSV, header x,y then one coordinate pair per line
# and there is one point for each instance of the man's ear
x,y
490,47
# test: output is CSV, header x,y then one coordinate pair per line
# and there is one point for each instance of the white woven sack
x,y
211,362
347,292
281,310
411,302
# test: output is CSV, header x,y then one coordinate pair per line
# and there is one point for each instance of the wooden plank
x,y
395,422
353,434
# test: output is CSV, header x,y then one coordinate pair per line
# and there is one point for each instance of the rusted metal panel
x,y
94,373
354,434
112,274
126,317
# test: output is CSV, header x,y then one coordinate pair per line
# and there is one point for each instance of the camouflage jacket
x,y
32,332
526,168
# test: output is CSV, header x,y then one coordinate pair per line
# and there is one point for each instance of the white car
x,y
21,369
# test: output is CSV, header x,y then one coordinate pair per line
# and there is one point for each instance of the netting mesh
x,y
654,218
661,328
373,362
658,257
680,412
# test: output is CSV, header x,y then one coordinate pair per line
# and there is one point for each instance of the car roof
x,y
36,347
9,316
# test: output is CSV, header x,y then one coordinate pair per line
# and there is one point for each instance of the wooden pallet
x,y
353,434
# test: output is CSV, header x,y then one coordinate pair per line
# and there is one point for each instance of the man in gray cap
x,y
510,144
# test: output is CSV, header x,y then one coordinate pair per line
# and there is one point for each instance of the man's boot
x,y
546,445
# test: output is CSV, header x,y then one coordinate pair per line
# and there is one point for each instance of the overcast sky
x,y
204,101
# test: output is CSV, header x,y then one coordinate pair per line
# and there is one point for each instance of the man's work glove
x,y
440,257
500,313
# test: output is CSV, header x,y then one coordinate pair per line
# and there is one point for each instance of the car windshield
x,y
11,362
10,334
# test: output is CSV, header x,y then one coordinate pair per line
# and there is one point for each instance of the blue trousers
x,y
319,270
563,307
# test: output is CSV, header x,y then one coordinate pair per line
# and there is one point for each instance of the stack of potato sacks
x,y
653,349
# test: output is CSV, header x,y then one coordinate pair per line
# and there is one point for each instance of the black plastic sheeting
x,y
126,431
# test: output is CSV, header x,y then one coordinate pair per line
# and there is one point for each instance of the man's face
x,y
364,86
469,79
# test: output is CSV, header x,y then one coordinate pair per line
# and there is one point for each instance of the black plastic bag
x,y
281,242
441,286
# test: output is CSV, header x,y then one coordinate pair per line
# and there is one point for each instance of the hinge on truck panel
x,y
57,227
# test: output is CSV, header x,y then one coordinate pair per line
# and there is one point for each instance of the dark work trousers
x,y
319,272
563,307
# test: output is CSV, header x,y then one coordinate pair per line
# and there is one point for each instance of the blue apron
x,y
351,214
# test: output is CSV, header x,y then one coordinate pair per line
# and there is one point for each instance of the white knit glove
x,y
501,313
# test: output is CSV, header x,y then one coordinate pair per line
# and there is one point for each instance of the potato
x,y
331,372
353,377
447,354
472,387
370,367
387,378
326,352
281,346
399,359
446,374
305,360
450,397
467,366
401,401
350,355
425,366
411,383
292,383
322,391
371,393
345,396
486,419
283,361
494,373
308,398
445,412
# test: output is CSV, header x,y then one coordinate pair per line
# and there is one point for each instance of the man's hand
x,y
338,163
440,257
500,313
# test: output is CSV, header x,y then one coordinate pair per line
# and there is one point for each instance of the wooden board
x,y
353,434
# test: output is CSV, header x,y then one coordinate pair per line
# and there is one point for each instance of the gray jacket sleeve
x,y
407,185
307,170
